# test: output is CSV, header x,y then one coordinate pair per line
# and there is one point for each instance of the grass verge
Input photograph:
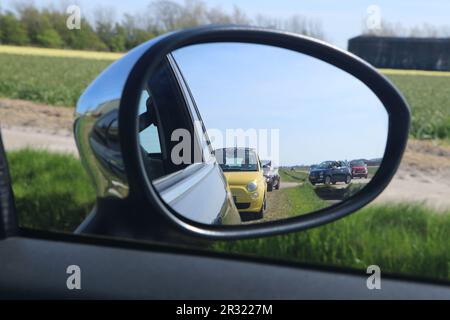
x,y
293,176
292,202
401,238
52,191
302,200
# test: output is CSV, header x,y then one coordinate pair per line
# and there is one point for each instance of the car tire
x,y
270,187
278,185
327,180
348,179
260,214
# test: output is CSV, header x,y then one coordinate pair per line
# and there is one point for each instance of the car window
x,y
237,160
200,130
405,230
149,137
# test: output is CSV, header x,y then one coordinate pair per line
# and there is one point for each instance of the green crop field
x,y
60,80
51,80
429,98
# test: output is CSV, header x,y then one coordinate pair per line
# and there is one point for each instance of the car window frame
x,y
193,109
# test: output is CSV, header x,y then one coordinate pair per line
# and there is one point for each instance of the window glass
x,y
149,137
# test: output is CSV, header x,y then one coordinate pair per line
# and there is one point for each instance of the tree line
x,y
46,27
390,29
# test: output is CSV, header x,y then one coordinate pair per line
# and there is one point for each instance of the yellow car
x,y
243,171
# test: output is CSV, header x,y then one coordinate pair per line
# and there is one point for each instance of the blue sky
x,y
341,20
321,112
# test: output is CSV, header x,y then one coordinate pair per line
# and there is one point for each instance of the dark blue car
x,y
330,172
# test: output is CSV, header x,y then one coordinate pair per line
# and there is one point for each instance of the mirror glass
x,y
237,133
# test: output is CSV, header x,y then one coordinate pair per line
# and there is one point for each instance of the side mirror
x,y
250,94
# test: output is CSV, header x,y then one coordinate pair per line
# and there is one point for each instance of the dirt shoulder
x,y
26,124
36,117
423,176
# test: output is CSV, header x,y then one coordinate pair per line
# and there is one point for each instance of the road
x,y
18,138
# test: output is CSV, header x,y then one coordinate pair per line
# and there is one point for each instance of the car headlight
x,y
252,186
254,195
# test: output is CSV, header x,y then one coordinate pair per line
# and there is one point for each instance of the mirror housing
x,y
115,162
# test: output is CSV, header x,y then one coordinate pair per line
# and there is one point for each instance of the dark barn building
x,y
403,53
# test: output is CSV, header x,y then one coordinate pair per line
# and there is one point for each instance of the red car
x,y
359,169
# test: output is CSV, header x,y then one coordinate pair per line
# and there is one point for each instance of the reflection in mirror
x,y
236,133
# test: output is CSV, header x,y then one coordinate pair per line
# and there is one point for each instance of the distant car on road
x,y
271,174
330,172
359,169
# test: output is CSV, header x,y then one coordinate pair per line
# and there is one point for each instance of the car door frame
x,y
182,189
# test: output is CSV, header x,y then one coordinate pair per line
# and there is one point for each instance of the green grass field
x,y
51,80
404,239
52,191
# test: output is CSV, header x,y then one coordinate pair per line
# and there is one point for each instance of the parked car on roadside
x,y
359,169
243,171
271,174
330,172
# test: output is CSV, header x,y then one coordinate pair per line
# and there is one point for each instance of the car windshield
x,y
325,164
236,159
266,163
358,163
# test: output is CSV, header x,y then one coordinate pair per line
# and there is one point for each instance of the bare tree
x,y
386,29
429,31
268,22
296,23
217,16
239,17
389,29
193,13
166,14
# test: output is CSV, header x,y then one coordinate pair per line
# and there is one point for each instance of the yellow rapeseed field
x,y
65,53
400,72
114,56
